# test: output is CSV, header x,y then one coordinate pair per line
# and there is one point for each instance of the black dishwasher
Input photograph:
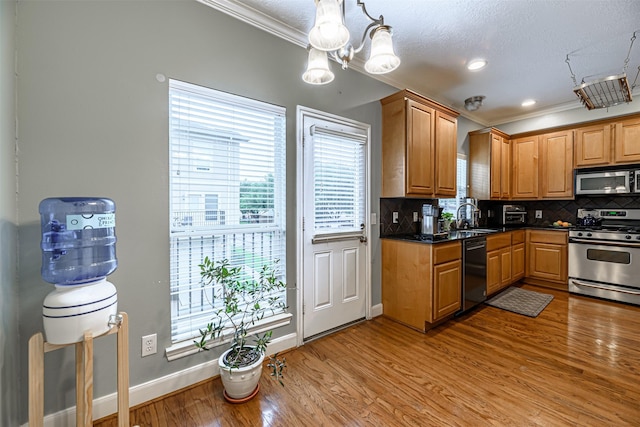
x,y
474,272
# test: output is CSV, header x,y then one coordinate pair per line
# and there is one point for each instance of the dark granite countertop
x,y
455,235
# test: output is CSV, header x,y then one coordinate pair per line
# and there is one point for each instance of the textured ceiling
x,y
525,42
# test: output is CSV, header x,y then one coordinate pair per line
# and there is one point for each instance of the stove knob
x,y
627,237
638,237
589,234
579,233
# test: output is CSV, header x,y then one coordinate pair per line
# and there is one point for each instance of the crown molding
x,y
259,20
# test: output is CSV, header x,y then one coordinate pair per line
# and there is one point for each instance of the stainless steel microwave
x,y
605,182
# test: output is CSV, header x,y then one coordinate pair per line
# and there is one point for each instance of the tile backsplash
x,y
405,209
552,210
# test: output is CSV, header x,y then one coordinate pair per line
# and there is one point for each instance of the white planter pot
x,y
240,382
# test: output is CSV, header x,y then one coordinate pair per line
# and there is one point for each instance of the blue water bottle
x,y
78,239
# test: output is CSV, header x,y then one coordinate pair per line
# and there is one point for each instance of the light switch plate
x,y
415,217
395,217
538,214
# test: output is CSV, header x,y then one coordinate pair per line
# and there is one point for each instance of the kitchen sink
x,y
471,232
482,230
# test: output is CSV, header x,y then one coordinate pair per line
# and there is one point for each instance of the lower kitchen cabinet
x,y
421,283
547,258
517,255
498,262
446,289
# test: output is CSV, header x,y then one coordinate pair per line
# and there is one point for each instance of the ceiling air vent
x,y
604,93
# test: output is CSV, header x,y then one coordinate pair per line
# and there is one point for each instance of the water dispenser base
x,y
70,311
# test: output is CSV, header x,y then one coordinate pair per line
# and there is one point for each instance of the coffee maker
x,y
431,225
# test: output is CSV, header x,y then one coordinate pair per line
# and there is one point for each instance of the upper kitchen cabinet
x,y
556,165
419,147
593,146
627,141
489,165
525,168
608,143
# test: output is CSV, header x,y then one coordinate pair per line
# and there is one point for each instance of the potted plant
x,y
447,218
241,302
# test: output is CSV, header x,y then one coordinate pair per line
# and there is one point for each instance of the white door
x,y
334,222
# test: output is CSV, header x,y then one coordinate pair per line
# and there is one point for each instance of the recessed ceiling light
x,y
528,102
476,64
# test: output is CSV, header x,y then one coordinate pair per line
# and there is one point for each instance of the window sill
x,y
186,348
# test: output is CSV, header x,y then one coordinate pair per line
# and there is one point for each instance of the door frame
x,y
302,112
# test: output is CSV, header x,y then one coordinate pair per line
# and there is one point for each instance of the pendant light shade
x,y
318,72
382,58
329,32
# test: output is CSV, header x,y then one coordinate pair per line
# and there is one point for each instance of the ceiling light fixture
x,y
528,102
608,91
473,103
329,35
476,64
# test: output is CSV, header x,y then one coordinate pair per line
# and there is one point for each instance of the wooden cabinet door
x,y
420,149
505,267
447,288
505,169
525,168
494,272
496,167
547,262
517,262
556,165
627,141
446,155
593,146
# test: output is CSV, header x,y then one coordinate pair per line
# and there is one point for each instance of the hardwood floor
x,y
576,364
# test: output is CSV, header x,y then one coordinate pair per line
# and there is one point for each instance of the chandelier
x,y
330,36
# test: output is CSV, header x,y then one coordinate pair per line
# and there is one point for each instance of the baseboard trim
x,y
141,393
376,310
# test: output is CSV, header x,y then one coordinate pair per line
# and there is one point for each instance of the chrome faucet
x,y
473,216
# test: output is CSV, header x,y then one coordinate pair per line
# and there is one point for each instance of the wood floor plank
x,y
576,364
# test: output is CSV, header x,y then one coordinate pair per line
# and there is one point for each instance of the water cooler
x,y
78,253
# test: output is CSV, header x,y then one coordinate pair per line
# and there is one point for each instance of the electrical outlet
x,y
149,345
415,217
538,214
395,217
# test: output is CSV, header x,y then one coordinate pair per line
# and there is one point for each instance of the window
x,y
339,181
227,193
451,205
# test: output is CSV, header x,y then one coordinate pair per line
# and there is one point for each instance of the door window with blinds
x,y
227,194
338,182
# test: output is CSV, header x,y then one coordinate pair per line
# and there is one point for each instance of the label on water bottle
x,y
91,221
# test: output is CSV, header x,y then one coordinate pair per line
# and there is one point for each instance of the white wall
x,y
93,122
9,362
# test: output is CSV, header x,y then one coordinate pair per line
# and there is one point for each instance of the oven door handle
x,y
616,243
604,288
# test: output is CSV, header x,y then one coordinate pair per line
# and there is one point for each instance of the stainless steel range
x,y
602,254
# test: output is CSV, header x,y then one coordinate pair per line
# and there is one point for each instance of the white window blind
x,y
451,205
339,175
227,193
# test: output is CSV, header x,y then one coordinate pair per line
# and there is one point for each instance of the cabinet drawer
x,y
517,237
546,236
499,240
445,252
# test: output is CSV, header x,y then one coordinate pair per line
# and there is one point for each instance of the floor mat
x,y
521,301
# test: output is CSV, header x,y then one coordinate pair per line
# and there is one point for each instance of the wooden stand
x,y
84,374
